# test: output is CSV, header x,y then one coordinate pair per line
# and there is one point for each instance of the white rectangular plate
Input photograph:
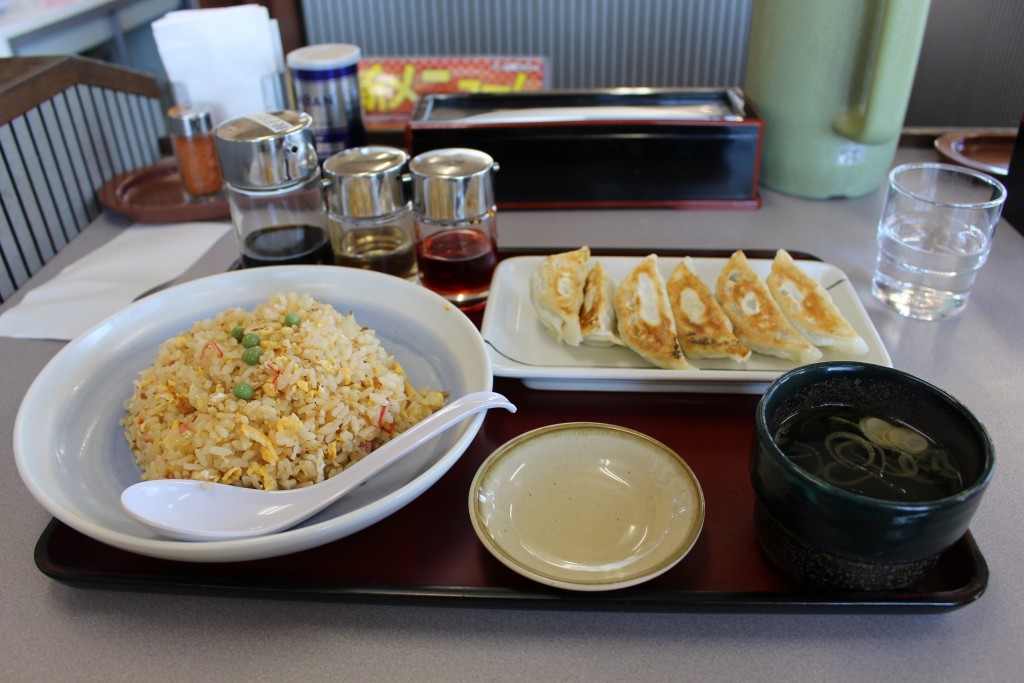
x,y
520,347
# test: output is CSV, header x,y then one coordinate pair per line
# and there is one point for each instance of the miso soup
x,y
870,455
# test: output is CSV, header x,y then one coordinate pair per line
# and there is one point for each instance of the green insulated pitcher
x,y
831,79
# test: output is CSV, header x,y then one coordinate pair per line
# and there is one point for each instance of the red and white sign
x,y
390,87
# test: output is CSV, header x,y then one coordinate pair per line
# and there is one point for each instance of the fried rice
x,y
324,393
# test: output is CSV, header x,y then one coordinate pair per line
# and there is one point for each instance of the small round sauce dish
x,y
586,506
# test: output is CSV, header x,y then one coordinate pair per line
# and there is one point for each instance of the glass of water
x,y
934,234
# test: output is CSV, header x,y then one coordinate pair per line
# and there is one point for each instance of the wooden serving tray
x,y
428,552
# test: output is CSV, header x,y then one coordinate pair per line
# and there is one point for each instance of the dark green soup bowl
x,y
832,538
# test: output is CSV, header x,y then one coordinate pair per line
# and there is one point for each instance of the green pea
x,y
243,391
251,356
250,340
237,333
292,320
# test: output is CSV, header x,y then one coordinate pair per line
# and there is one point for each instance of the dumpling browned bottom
x,y
757,320
556,290
703,329
645,320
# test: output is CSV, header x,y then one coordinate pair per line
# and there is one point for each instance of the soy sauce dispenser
x,y
272,174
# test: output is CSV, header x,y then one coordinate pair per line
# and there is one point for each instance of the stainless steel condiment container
x,y
264,151
369,216
455,224
272,173
453,184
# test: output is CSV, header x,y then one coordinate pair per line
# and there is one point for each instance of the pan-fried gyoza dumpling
x,y
556,290
645,319
810,308
597,315
703,329
756,319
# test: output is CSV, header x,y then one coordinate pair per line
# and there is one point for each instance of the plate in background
x,y
988,152
154,194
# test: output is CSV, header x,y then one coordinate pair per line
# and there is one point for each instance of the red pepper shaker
x,y
195,148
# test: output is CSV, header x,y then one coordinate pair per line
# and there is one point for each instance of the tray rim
x,y
637,599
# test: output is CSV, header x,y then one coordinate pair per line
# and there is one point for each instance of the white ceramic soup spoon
x,y
191,510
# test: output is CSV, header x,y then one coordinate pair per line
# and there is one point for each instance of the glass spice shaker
x,y
274,187
368,215
191,131
455,224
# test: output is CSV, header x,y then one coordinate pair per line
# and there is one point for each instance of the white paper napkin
x,y
108,279
229,57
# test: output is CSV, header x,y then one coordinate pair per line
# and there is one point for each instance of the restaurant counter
x,y
52,631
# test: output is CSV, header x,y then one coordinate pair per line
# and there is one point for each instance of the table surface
x,y
51,631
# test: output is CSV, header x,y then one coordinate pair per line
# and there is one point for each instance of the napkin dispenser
x,y
692,148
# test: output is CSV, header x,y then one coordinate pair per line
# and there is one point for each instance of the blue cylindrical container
x,y
325,81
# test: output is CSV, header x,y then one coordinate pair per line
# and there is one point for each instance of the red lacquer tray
x,y
428,553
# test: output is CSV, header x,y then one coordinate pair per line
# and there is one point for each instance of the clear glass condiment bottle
x,y
190,127
455,223
369,217
275,190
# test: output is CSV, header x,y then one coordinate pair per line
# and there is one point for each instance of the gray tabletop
x,y
50,631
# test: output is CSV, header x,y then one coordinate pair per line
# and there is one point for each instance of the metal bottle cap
x,y
267,150
189,120
452,183
364,182
324,56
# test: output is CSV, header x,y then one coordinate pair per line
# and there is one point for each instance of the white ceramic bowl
x,y
74,458
586,506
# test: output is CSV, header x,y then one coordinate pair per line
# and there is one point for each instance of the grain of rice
x,y
326,393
